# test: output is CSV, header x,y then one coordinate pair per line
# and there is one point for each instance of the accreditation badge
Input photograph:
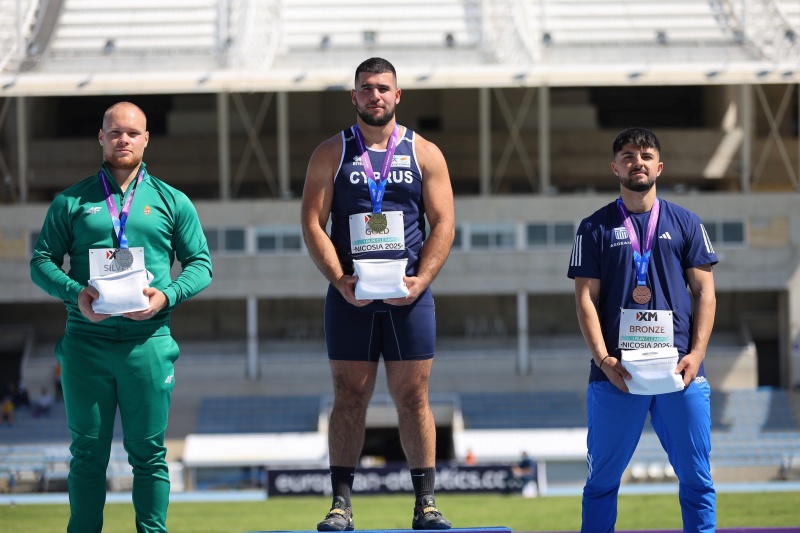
x,y
105,261
640,329
388,232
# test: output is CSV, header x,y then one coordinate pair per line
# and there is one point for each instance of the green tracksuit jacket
x,y
161,219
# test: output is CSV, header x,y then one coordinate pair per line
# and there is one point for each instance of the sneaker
x,y
339,518
427,516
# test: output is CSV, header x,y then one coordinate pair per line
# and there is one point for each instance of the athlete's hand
x,y
346,285
690,366
616,373
157,302
85,299
415,287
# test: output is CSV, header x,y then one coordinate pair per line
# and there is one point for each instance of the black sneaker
x,y
427,516
339,518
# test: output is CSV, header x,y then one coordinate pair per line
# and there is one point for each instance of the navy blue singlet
x,y
403,193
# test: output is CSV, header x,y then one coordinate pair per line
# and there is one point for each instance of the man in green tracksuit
x,y
119,221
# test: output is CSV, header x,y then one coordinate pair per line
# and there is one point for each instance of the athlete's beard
x,y
370,120
637,186
124,163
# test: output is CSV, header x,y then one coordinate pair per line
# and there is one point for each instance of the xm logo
x,y
647,316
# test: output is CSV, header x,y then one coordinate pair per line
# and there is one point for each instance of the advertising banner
x,y
395,479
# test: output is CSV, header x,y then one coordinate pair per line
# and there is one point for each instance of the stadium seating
x,y
539,410
44,467
258,414
310,25
750,427
184,34
12,12
151,28
49,428
173,34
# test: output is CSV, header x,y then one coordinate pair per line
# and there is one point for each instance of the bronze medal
x,y
641,294
377,222
123,258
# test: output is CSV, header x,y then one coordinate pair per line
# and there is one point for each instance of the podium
x,y
493,529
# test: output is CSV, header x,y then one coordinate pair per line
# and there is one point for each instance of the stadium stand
x,y
17,18
174,34
45,428
539,410
652,32
479,70
310,26
750,428
258,414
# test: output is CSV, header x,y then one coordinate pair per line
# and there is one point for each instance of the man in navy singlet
x,y
632,262
378,182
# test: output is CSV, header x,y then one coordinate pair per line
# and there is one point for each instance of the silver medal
x,y
123,258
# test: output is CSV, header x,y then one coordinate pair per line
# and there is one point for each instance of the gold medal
x,y
641,294
377,222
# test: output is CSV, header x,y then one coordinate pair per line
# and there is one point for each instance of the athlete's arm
x,y
701,283
587,300
48,254
191,250
437,195
315,211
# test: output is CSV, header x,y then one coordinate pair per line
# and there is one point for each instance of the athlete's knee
x,y
698,490
604,478
412,400
694,475
146,454
90,455
351,399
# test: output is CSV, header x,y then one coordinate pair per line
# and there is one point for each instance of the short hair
x,y
118,104
639,137
375,65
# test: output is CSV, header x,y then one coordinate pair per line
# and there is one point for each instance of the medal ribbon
x,y
119,219
641,255
377,184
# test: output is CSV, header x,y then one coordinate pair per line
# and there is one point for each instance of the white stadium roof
x,y
83,47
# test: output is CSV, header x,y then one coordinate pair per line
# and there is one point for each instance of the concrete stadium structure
x,y
523,97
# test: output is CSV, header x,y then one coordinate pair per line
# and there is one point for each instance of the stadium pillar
x,y
252,337
790,340
224,146
485,140
544,139
523,356
746,118
22,148
283,145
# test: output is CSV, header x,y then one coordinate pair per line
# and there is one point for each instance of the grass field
x,y
771,509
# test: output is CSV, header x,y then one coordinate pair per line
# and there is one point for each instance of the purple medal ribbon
x,y
119,219
377,184
641,256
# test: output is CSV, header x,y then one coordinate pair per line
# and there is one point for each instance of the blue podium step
x,y
493,529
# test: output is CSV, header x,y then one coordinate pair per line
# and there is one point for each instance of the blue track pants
x,y
682,421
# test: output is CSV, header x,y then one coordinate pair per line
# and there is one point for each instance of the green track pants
x,y
98,374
